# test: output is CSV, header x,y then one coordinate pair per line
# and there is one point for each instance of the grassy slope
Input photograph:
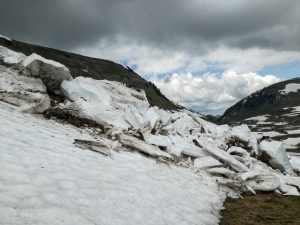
x,y
261,209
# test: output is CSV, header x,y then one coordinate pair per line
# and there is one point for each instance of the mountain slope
x,y
274,108
98,69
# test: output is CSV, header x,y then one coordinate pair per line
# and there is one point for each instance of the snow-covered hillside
x,y
272,111
142,165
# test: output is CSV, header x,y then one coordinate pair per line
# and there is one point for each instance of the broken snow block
x,y
25,92
10,57
206,162
241,133
133,142
158,140
151,117
95,146
275,155
51,73
290,185
222,155
237,151
253,145
260,181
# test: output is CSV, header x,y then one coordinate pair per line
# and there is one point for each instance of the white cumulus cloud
x,y
210,94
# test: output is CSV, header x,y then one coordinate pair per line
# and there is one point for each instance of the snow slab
x,y
45,179
27,92
10,57
292,87
52,73
35,57
295,162
277,152
107,102
292,142
206,162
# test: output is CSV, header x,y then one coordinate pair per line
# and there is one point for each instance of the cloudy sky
x,y
203,54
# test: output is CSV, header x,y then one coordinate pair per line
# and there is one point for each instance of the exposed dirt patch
x,y
261,209
68,117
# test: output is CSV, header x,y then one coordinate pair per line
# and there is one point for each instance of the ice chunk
x,y
206,162
295,162
181,145
237,150
158,140
152,116
260,180
277,156
133,142
107,102
222,155
241,133
10,57
52,73
26,92
96,146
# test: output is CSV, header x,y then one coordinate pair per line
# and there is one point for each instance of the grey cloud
x,y
192,25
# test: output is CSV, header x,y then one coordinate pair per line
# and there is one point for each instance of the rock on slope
x,y
142,164
273,111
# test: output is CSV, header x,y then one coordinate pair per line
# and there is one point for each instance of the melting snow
x,y
259,118
293,87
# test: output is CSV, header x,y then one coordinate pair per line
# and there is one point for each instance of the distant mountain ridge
x,y
274,108
95,68
269,100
